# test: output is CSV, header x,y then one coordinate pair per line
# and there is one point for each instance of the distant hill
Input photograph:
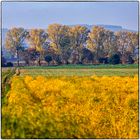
x,y
113,28
108,27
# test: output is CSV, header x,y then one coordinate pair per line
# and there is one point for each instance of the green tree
x,y
101,42
95,42
78,40
15,41
110,43
37,39
133,45
60,40
127,42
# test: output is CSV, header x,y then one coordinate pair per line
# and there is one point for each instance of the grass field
x,y
70,66
81,70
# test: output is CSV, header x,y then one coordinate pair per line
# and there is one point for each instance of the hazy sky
x,y
40,14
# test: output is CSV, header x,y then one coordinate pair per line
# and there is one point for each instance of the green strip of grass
x,y
101,66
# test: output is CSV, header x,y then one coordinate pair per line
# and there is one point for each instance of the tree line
x,y
62,44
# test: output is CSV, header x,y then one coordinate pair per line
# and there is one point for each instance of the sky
x,y
41,14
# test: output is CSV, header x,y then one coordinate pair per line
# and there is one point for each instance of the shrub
x,y
9,64
48,59
130,60
103,60
114,59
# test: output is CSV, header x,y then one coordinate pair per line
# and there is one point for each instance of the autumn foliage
x,y
68,45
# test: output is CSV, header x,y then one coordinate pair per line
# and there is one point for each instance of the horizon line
x,y
82,24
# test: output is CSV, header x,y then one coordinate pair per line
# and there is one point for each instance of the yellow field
x,y
71,107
